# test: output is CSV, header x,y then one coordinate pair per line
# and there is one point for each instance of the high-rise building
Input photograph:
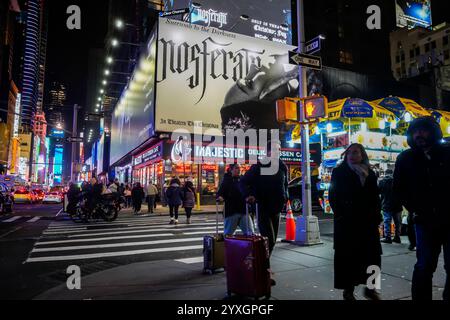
x,y
422,56
31,62
11,67
55,102
42,54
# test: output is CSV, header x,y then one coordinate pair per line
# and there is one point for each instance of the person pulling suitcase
x,y
270,192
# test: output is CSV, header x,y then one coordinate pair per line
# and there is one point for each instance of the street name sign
x,y
305,60
174,12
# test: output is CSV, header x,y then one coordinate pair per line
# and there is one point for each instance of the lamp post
x,y
307,232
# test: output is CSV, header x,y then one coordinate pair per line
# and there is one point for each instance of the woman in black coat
x,y
354,198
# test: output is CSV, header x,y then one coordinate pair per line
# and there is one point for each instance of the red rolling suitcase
x,y
247,265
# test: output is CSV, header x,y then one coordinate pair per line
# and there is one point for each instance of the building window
x,y
345,57
397,59
427,47
340,31
433,45
446,54
402,57
417,51
445,40
411,53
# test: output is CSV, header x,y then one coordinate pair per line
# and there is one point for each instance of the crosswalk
x,y
20,219
150,237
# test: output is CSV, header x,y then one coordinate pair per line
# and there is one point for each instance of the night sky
x,y
67,52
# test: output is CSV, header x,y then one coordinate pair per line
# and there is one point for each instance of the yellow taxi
x,y
23,196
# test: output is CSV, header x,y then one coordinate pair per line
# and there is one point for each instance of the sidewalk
x,y
302,273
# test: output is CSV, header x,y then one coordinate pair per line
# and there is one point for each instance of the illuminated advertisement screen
x,y
413,13
133,116
100,152
58,164
223,80
264,19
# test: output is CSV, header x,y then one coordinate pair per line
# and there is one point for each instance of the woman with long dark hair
x,y
188,199
354,198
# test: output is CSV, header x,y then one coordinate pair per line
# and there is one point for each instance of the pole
x,y
74,146
307,225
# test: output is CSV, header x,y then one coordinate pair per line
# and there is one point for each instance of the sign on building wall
x,y
413,13
219,79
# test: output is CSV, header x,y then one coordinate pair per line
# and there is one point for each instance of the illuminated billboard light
x,y
16,115
413,13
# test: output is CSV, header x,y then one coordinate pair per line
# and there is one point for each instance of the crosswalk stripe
x,y
115,245
57,226
13,219
128,227
202,232
159,219
111,254
34,219
190,260
126,232
205,230
148,228
42,243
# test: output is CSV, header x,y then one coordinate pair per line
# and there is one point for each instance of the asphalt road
x,y
37,247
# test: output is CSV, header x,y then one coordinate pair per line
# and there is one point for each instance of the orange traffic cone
x,y
290,223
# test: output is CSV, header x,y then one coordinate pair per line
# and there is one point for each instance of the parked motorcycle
x,y
107,209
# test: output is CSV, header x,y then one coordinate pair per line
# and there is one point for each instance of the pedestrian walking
x,y
421,179
235,212
188,199
174,199
270,192
354,198
137,195
152,191
127,194
392,209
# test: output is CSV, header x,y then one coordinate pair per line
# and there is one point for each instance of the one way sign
x,y
305,60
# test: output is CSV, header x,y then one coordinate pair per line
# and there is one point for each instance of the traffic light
x,y
315,107
287,110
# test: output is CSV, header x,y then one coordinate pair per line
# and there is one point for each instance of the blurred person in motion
x,y
354,198
235,212
392,209
269,191
421,182
152,191
137,196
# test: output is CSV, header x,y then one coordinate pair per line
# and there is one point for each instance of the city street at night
x,y
232,153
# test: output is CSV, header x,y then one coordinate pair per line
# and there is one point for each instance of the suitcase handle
x,y
217,216
247,216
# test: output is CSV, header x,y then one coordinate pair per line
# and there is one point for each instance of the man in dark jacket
x,y
421,181
270,192
392,209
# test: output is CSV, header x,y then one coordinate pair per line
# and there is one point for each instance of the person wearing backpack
x,y
188,200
